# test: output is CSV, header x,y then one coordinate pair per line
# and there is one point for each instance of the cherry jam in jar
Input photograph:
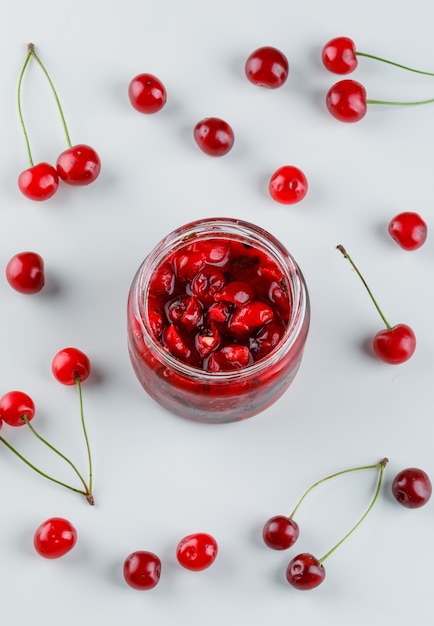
x,y
218,316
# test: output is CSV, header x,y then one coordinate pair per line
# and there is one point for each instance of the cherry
x,y
267,67
392,345
346,101
78,165
54,538
16,407
250,316
230,357
305,572
39,182
412,487
280,532
147,93
409,230
214,136
70,365
196,552
25,272
339,55
142,570
288,185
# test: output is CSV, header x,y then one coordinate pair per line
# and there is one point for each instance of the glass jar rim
x,y
238,229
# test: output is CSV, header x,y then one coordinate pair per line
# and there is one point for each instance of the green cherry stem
x,y
381,465
404,104
54,449
355,268
404,67
47,476
20,112
323,480
83,424
32,52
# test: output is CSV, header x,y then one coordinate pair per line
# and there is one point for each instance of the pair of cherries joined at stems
x,y
411,487
78,165
265,67
346,100
70,366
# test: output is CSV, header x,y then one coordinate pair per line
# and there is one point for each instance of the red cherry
x,y
214,136
412,487
14,405
288,185
78,165
147,93
267,67
305,572
395,345
409,230
39,182
346,101
339,55
250,316
25,272
280,532
197,552
142,570
230,357
70,364
54,538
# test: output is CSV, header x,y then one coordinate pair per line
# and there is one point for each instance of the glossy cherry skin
x,y
346,101
305,572
196,552
78,165
70,364
39,182
412,488
147,93
25,272
267,67
409,230
395,345
339,55
288,185
14,405
142,570
280,532
54,538
214,136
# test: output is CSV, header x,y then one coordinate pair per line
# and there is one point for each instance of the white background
x,y
158,477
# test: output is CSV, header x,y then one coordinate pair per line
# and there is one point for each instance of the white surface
x,y
158,477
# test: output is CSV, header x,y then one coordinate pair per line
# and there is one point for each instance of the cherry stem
x,y
404,67
20,112
323,480
87,495
347,256
381,467
54,449
404,104
83,424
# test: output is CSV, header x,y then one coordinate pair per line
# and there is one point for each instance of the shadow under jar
x,y
218,316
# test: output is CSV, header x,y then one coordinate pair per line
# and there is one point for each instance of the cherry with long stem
x,y
394,344
340,56
280,532
39,181
305,571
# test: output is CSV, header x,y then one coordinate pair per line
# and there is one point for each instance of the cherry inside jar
x,y
218,316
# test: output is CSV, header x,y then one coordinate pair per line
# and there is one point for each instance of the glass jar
x,y
212,393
